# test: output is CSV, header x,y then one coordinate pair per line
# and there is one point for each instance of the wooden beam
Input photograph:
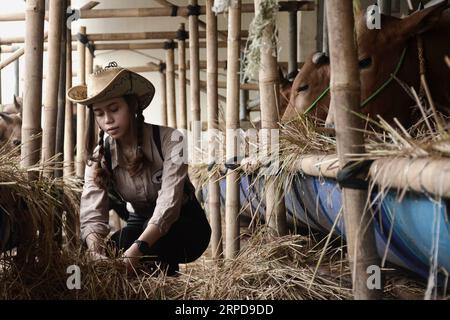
x,y
161,12
123,36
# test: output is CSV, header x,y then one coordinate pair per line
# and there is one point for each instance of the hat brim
x,y
124,83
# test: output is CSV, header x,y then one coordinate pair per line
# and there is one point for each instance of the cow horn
x,y
320,58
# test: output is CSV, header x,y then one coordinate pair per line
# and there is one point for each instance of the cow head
x,y
379,53
15,107
310,82
10,129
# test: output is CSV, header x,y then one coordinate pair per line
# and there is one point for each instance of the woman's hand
x,y
95,256
131,257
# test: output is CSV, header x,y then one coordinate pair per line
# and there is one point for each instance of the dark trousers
x,y
185,241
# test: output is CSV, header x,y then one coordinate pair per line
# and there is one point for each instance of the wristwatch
x,y
143,247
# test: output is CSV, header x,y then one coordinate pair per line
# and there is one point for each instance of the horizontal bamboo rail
x,y
156,35
117,46
160,12
424,175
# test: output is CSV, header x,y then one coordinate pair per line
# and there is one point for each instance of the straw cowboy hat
x,y
112,82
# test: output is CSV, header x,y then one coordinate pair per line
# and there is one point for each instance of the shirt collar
x,y
117,158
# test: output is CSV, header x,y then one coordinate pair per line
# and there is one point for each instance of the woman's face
x,y
113,117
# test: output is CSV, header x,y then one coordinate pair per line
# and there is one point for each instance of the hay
x,y
266,15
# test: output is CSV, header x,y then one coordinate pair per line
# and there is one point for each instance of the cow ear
x,y
7,118
421,21
320,58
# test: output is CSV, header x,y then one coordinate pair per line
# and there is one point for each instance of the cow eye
x,y
303,88
365,63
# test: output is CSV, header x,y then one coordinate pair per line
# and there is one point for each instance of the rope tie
x,y
83,38
174,11
169,45
182,34
193,10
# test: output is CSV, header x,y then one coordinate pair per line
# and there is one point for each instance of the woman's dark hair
x,y
102,175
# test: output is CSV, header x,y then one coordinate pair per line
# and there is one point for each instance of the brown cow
x,y
10,129
380,53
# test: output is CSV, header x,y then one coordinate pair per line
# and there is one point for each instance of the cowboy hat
x,y
112,82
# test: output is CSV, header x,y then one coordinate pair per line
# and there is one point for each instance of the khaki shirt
x,y
160,182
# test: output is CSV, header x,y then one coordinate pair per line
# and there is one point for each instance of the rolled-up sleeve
x,y
93,207
170,196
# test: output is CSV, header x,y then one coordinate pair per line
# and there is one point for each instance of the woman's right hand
x,y
95,256
95,249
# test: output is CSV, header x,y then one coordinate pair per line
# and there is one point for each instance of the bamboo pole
x,y
345,97
182,11
182,75
232,244
120,36
162,73
113,46
52,84
32,98
213,126
170,85
81,111
269,97
221,34
1,107
385,7
144,46
16,77
243,97
17,53
69,138
194,58
89,71
326,41
61,95
292,47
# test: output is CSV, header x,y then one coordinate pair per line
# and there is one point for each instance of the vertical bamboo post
x,y
269,97
68,170
16,77
61,95
385,7
32,98
52,83
170,84
326,43
243,98
182,36
345,97
213,127
232,244
1,108
320,20
81,110
292,49
89,71
194,69
162,73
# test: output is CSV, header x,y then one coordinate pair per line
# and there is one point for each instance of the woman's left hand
x,y
131,257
